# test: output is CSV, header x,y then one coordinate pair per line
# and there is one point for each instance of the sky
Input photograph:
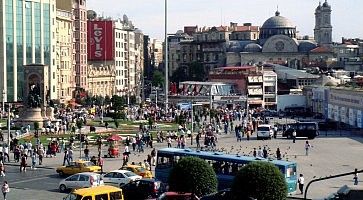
x,y
148,15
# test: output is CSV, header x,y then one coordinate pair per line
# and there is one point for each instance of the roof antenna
x,y
277,13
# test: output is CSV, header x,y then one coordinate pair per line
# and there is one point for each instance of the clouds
x,y
148,15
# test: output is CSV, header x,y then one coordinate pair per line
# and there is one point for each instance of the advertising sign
x,y
100,40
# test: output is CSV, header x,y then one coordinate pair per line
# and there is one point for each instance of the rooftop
x,y
293,72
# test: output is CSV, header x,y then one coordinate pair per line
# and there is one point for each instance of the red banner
x,y
100,40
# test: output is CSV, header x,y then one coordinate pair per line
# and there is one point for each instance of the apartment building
x,y
64,55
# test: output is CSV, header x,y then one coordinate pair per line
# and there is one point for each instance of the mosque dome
x,y
277,25
253,47
306,45
278,21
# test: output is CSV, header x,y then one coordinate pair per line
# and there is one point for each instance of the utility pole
x,y
9,120
3,104
166,58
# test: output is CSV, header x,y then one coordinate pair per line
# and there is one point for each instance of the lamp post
x,y
9,120
166,57
3,104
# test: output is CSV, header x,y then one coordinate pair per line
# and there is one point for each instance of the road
x,y
331,154
34,184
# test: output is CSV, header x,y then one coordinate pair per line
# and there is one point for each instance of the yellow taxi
x,y
78,167
96,193
139,170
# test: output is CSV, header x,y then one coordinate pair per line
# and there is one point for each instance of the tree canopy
x,y
259,180
193,175
158,79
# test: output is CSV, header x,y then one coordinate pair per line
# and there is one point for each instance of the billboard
x,y
100,40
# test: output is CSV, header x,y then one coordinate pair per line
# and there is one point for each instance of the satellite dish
x,y
91,14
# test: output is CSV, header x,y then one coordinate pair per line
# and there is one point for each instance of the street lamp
x,y
191,135
166,57
3,104
9,120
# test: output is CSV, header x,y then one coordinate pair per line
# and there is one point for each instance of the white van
x,y
264,131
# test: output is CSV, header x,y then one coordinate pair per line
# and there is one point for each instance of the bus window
x,y
164,162
291,172
226,168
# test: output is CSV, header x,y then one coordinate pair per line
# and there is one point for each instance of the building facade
x,y
64,58
118,43
27,35
101,80
80,42
279,43
323,31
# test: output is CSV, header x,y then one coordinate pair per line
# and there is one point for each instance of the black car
x,y
143,189
220,195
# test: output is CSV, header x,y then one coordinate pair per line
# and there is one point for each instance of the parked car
x,y
80,180
177,196
120,177
220,195
143,189
264,131
78,167
139,170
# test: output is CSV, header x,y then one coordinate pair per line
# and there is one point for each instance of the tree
x,y
179,75
197,72
193,175
117,102
260,180
158,79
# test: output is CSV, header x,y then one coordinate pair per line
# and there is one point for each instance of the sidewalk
x,y
17,193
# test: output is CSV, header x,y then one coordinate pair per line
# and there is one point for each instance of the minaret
x,y
323,28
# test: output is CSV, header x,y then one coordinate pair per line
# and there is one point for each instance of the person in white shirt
x,y
301,183
307,147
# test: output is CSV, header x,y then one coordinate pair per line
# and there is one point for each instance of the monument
x,y
36,79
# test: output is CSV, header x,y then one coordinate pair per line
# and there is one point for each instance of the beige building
x,y
64,58
101,80
79,43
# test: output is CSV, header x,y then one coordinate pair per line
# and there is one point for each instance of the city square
x,y
93,91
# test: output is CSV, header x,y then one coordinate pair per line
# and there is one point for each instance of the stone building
x,y
101,80
64,58
279,43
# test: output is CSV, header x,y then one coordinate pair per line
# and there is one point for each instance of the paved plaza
x,y
333,154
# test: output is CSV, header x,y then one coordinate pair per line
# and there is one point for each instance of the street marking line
x,y
32,179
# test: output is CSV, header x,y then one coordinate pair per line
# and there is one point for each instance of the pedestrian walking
x,y
275,132
265,154
293,136
169,142
2,169
65,157
100,162
307,147
34,160
153,157
301,181
278,154
355,179
86,153
23,163
5,189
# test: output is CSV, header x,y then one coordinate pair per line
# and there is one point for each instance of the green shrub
x,y
194,175
259,180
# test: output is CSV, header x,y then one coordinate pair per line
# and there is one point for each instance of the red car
x,y
178,196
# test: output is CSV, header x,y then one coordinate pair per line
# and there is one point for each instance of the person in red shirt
x,y
100,162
